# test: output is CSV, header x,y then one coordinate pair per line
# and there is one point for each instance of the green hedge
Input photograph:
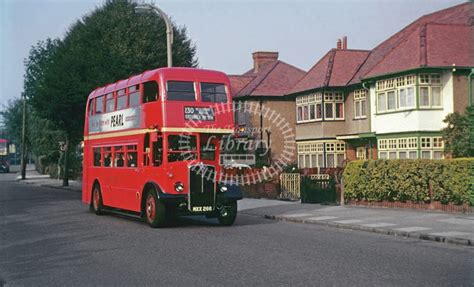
x,y
452,180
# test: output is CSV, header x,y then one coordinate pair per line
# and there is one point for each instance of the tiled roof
x,y
238,82
442,38
272,79
336,69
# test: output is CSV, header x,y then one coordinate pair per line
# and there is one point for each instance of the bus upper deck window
x,y
214,93
110,102
180,91
121,99
91,106
99,105
150,92
134,96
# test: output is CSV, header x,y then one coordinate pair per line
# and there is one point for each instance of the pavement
x,y
454,228
35,178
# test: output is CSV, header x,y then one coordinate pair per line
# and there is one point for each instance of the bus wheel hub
x,y
224,212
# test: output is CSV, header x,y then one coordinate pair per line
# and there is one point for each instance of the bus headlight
x,y
223,188
179,187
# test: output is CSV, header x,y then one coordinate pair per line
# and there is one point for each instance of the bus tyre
x,y
155,210
97,206
226,216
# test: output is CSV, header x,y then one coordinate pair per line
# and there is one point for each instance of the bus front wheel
x,y
155,210
97,206
226,216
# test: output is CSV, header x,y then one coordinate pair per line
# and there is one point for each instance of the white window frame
x,y
410,146
360,100
384,95
318,152
401,85
430,81
332,99
307,101
413,97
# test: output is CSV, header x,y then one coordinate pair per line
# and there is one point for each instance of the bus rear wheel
x,y
155,210
97,206
227,215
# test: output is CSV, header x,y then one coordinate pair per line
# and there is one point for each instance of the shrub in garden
x,y
449,180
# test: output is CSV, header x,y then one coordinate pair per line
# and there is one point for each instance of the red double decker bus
x,y
152,146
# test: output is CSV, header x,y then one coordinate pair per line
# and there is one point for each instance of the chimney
x,y
339,44
261,58
344,43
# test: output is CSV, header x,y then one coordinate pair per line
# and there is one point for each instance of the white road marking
x,y
412,229
298,215
349,221
380,224
318,218
452,234
458,221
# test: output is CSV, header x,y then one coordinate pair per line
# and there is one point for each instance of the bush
x,y
41,164
402,180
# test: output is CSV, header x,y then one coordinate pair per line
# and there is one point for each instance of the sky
x,y
225,32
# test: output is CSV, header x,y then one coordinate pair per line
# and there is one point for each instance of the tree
x,y
12,113
111,43
41,134
458,136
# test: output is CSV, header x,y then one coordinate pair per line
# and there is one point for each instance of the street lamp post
x,y
23,140
147,8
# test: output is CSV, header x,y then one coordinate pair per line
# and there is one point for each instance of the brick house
x,y
263,88
389,102
324,107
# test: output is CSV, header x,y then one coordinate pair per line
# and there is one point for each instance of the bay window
x,y
399,93
313,107
313,154
411,148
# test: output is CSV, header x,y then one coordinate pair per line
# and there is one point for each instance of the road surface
x,y
48,238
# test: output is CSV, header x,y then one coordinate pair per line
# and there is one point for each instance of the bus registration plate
x,y
207,208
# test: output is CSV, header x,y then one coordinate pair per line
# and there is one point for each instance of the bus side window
x,y
107,156
119,156
91,106
121,99
96,153
158,152
109,102
99,105
134,96
150,92
131,155
146,150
